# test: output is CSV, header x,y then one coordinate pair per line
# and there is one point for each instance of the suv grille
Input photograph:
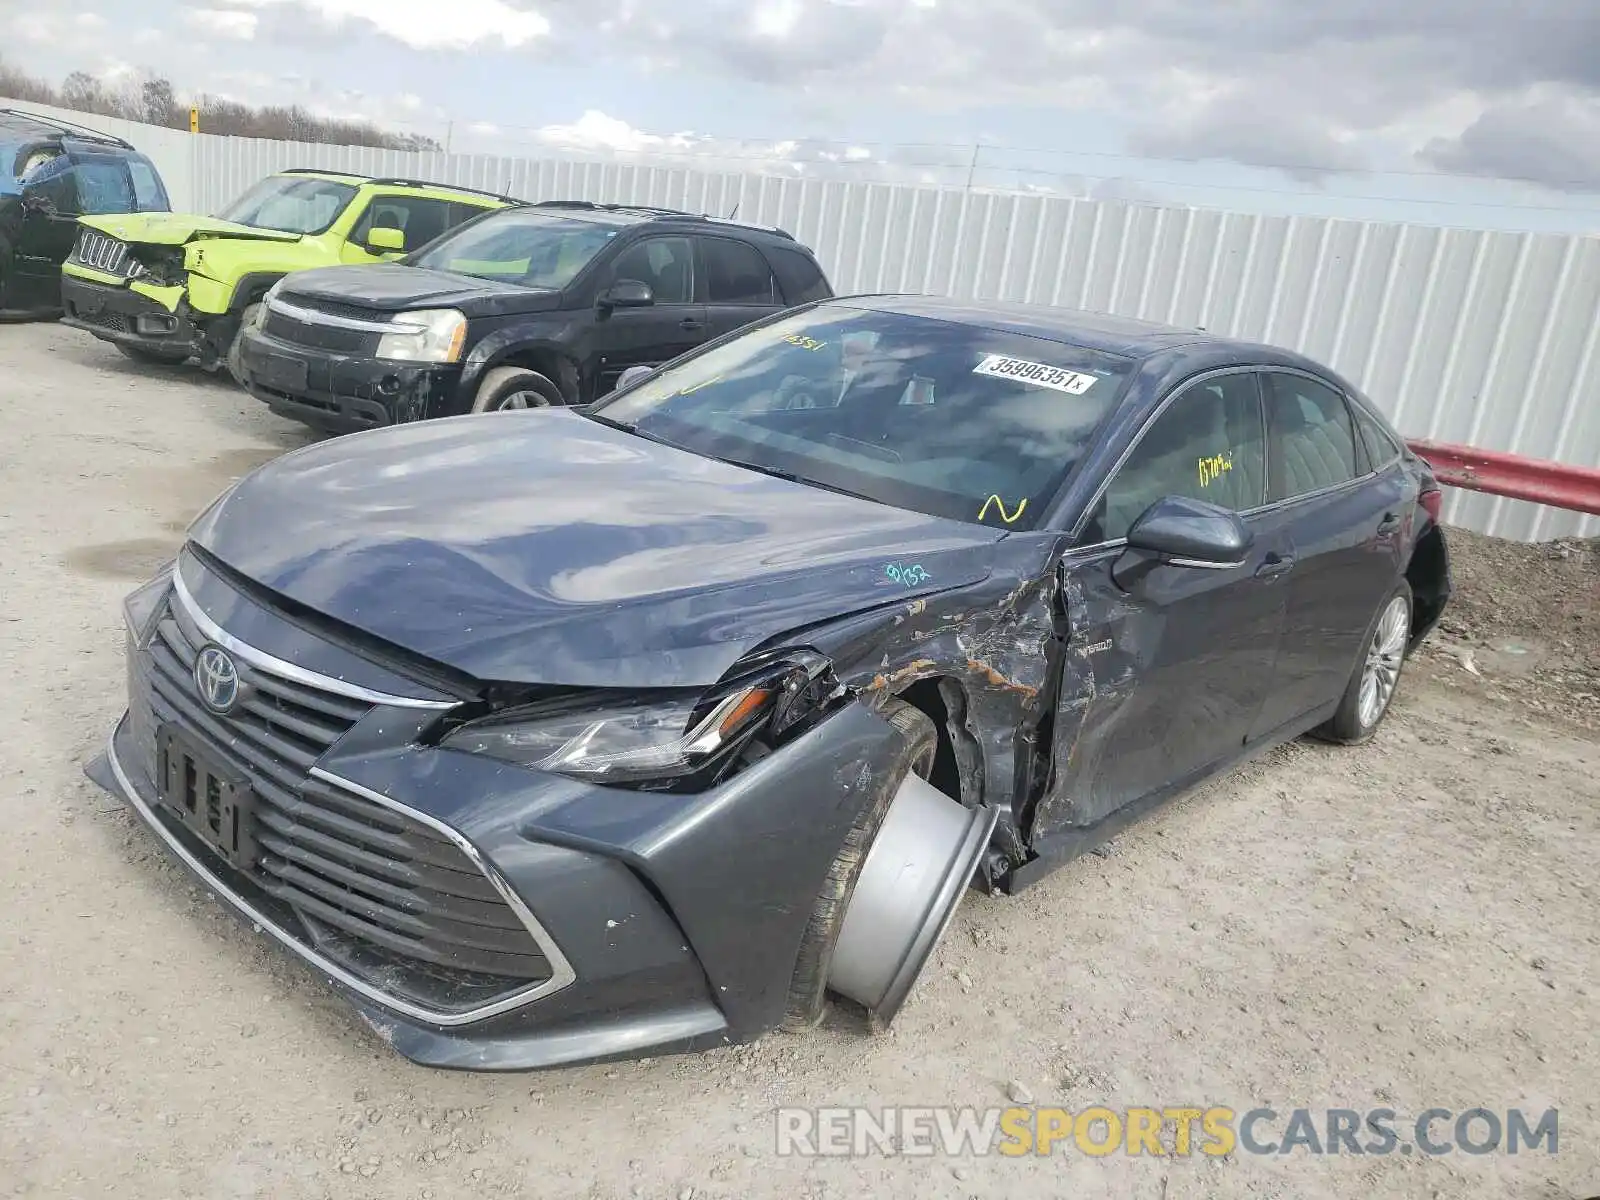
x,y
105,253
389,897
338,338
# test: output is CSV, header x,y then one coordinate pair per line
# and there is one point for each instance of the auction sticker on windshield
x,y
1074,383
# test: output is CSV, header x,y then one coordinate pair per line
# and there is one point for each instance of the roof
x,y
1122,336
357,180
23,125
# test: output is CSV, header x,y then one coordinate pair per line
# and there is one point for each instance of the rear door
x,y
737,284
1348,525
1164,679
631,337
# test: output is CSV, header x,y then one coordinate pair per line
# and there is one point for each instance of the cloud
x,y
224,22
1546,137
423,24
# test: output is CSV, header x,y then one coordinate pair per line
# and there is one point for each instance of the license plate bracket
x,y
282,373
213,803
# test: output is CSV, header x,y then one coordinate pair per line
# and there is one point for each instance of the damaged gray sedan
x,y
574,734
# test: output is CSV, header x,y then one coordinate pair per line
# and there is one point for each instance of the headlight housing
x,y
430,335
142,607
658,740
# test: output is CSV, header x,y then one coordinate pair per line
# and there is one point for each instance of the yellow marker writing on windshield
x,y
1008,518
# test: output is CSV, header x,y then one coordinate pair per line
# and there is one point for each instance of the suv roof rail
x,y
665,213
71,128
395,181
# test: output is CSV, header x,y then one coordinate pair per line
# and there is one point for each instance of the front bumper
x,y
122,315
671,923
343,392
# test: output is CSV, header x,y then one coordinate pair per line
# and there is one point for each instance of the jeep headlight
x,y
430,335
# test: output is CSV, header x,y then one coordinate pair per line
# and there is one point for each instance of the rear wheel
x,y
507,389
147,354
1372,686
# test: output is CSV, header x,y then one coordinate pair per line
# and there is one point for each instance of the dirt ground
x,y
1411,924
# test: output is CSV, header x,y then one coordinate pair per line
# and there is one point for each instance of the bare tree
x,y
154,101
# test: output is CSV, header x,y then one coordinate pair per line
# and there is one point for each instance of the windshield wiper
x,y
625,427
793,477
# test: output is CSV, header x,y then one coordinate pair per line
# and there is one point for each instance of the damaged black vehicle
x,y
558,735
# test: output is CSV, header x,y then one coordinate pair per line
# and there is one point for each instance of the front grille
x,y
387,896
105,253
321,337
335,308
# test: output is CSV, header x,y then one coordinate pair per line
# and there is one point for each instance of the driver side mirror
x,y
627,293
1179,532
632,376
381,239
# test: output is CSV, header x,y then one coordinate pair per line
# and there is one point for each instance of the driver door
x,y
673,324
1163,680
419,219
50,209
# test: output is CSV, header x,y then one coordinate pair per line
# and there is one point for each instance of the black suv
x,y
542,304
51,173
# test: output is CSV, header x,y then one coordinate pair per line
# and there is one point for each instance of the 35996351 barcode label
x,y
1074,383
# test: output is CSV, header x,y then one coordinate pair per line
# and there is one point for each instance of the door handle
x,y
1389,524
689,323
1275,564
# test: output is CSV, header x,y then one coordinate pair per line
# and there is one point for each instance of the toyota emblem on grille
x,y
216,676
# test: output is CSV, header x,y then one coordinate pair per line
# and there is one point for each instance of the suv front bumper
x,y
342,393
121,315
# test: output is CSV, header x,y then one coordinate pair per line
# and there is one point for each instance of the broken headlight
x,y
433,335
622,743
659,740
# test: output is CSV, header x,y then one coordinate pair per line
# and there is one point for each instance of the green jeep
x,y
164,287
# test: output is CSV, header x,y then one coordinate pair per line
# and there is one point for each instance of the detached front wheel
x,y
894,886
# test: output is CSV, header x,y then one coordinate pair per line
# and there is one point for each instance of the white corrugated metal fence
x,y
1484,338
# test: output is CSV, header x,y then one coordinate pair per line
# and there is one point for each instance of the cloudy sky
x,y
1461,111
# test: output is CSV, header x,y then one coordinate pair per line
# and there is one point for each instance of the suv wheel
x,y
508,388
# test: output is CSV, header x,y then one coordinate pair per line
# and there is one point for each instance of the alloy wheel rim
x,y
1384,656
517,401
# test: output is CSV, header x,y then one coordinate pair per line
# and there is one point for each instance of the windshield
x,y
531,249
942,418
291,204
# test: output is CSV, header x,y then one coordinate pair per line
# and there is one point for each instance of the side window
x,y
1312,434
104,185
460,214
1381,448
800,277
54,181
421,219
148,193
665,263
1208,444
736,273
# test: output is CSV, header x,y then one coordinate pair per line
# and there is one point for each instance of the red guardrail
x,y
1535,479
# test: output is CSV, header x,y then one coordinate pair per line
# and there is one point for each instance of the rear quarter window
x,y
798,275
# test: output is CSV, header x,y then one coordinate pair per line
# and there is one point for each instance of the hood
x,y
175,229
542,547
392,286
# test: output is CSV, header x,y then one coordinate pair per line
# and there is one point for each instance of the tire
x,y
808,987
1364,704
236,345
162,358
512,388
